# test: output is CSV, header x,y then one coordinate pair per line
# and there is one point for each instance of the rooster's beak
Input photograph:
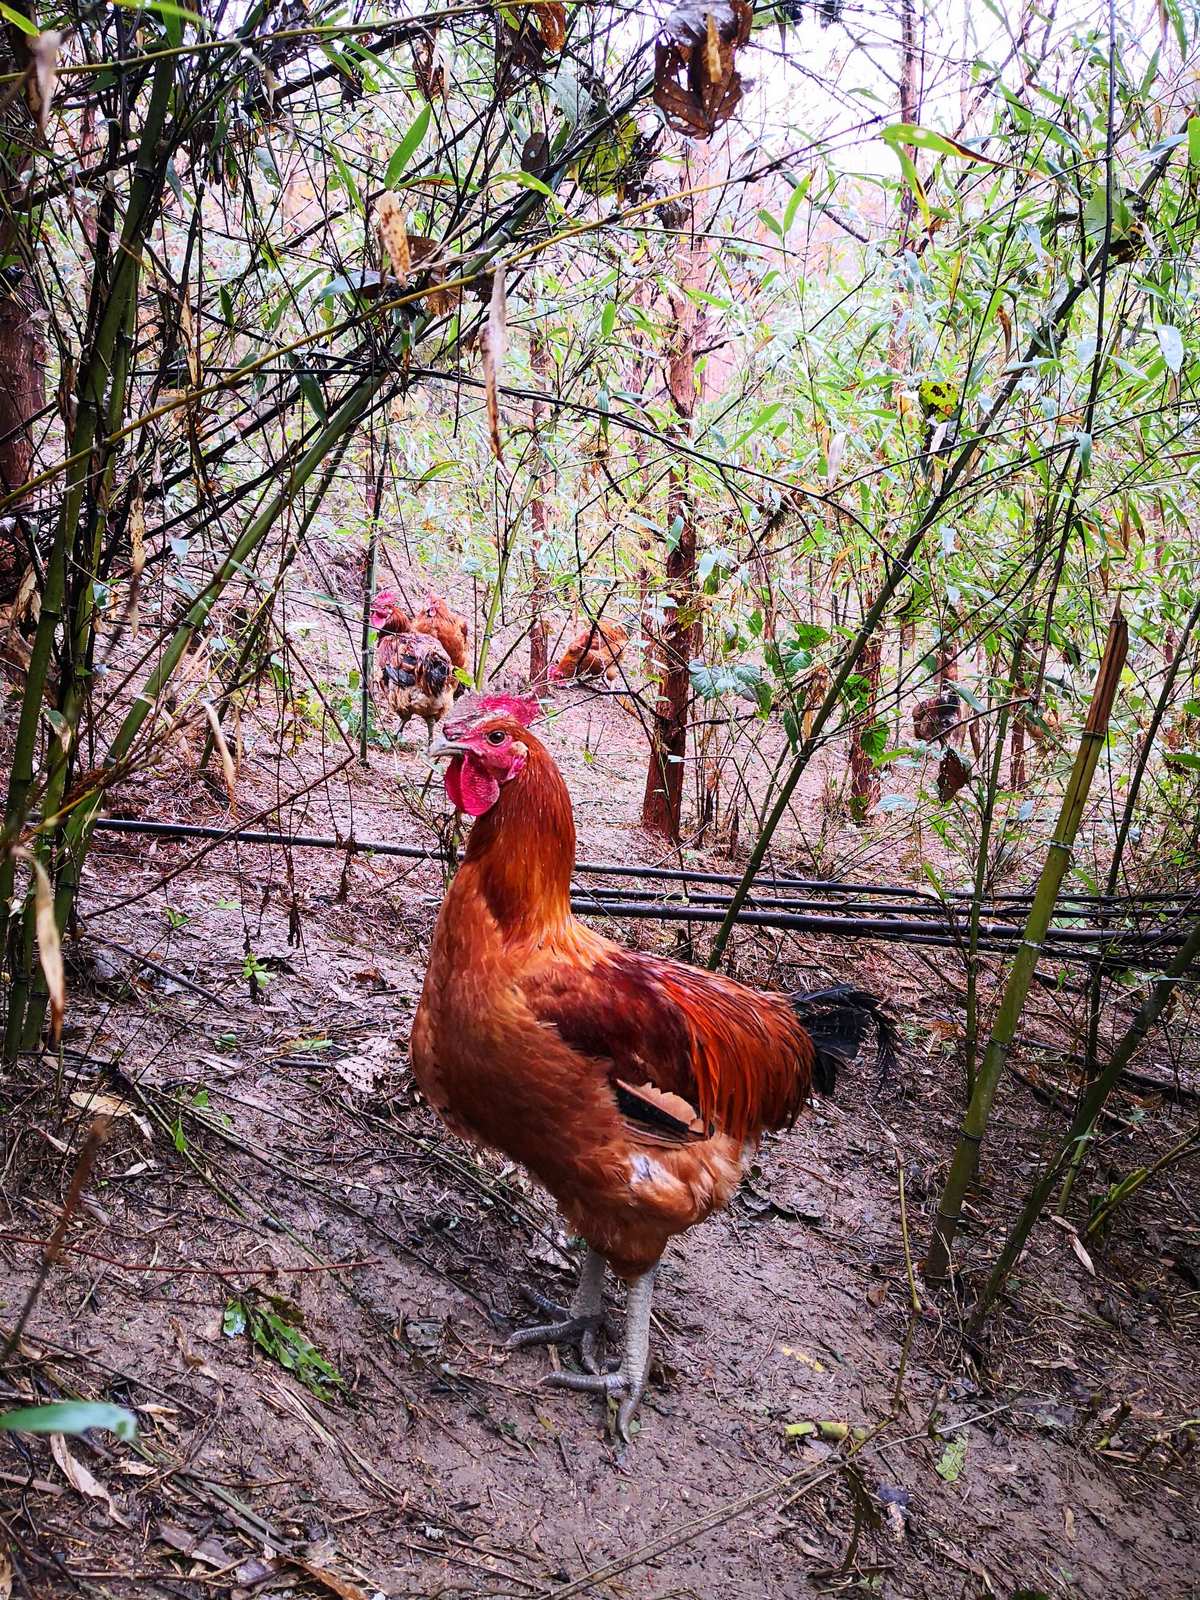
x,y
442,747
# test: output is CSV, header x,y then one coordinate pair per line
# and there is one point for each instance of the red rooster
x,y
632,1087
594,653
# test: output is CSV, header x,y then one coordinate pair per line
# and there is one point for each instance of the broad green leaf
x,y
598,172
911,133
408,146
1193,138
71,1416
953,1458
608,319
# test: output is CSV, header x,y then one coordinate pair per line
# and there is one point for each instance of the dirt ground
x,y
806,1431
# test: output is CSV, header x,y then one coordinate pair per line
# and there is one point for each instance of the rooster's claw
x,y
580,1330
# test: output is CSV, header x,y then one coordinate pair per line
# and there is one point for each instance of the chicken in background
x,y
436,619
414,676
938,720
594,653
634,1088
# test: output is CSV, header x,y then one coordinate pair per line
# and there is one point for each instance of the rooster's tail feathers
x,y
836,1020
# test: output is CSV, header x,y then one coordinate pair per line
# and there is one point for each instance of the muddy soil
x,y
818,1421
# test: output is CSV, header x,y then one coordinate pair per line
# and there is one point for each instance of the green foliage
x,y
744,680
71,1416
275,1326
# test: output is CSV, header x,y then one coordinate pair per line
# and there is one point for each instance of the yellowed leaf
x,y
803,1357
188,328
1003,319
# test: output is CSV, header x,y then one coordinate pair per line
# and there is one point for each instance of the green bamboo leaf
x,y
71,1416
913,178
408,146
794,201
164,8
18,20
911,133
525,179
608,319
1193,140
347,178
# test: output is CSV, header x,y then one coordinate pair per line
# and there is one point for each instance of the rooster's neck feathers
x,y
523,849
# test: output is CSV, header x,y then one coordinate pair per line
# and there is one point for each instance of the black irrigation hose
x,y
409,852
858,918
1080,943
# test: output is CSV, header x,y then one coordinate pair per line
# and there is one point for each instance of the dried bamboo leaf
x,y
80,1479
696,84
42,78
429,73
49,944
551,19
389,219
953,775
228,765
495,341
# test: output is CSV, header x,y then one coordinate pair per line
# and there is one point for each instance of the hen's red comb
x,y
524,709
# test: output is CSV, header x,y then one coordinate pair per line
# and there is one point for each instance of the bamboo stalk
x,y
1096,985
1129,1185
1089,1109
971,1041
102,374
1020,978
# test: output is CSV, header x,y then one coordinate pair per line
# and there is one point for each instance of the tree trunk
x,y
539,665
864,778
22,350
22,396
663,803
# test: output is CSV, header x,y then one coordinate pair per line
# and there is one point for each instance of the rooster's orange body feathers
x,y
632,1087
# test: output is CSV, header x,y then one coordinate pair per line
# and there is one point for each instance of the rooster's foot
x,y
565,1330
578,1323
625,1386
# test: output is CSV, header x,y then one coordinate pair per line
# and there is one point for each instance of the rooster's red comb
x,y
524,709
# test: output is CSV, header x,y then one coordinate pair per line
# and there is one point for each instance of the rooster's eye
x,y
497,736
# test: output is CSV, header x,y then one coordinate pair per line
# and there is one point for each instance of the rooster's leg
x,y
580,1321
627,1382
